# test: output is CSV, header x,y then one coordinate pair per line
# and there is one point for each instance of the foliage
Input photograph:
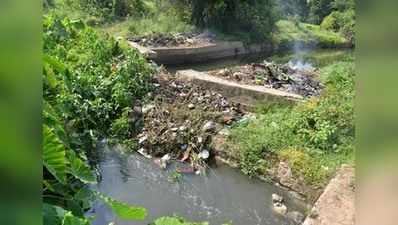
x,y
290,35
255,18
175,176
304,165
91,82
174,221
111,9
321,128
293,8
343,22
65,195
319,9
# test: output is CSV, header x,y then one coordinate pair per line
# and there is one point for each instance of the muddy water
x,y
317,58
222,195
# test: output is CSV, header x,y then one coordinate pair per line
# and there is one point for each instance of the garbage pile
x,y
284,77
180,120
172,40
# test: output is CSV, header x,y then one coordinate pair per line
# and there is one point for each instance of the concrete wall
x,y
207,52
247,95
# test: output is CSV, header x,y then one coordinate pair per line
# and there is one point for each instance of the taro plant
x,y
66,175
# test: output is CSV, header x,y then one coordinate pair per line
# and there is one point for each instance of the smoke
x,y
298,64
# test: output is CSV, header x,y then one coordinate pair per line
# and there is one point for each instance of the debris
x,y
173,39
277,198
186,170
162,162
280,208
169,128
204,154
210,126
191,106
143,152
288,77
147,108
142,140
186,155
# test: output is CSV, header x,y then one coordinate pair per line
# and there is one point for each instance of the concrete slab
x,y
201,53
336,206
143,50
247,95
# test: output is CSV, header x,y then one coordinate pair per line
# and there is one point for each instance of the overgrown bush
x,y
290,34
92,82
343,22
319,127
253,18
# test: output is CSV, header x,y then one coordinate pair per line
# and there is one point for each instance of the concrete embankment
x,y
336,206
200,53
248,95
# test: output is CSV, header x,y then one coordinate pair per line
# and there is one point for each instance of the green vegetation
x,y
252,20
289,34
90,84
315,136
342,22
174,221
150,17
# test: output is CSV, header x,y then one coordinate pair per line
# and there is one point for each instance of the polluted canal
x,y
172,129
221,195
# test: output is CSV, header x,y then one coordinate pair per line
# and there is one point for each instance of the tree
x,y
255,18
293,8
319,9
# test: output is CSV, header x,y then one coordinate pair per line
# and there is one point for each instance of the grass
x,y
163,23
288,33
315,136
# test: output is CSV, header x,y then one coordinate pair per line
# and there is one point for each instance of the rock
x,y
174,129
280,208
285,175
191,106
296,217
277,198
209,126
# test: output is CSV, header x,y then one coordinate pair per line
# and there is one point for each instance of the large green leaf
x,y
54,155
69,219
124,210
80,169
52,215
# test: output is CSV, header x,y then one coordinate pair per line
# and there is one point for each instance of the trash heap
x,y
180,120
173,39
284,77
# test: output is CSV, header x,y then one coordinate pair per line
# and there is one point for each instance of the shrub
x,y
91,81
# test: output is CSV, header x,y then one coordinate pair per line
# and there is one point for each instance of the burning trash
x,y
291,77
